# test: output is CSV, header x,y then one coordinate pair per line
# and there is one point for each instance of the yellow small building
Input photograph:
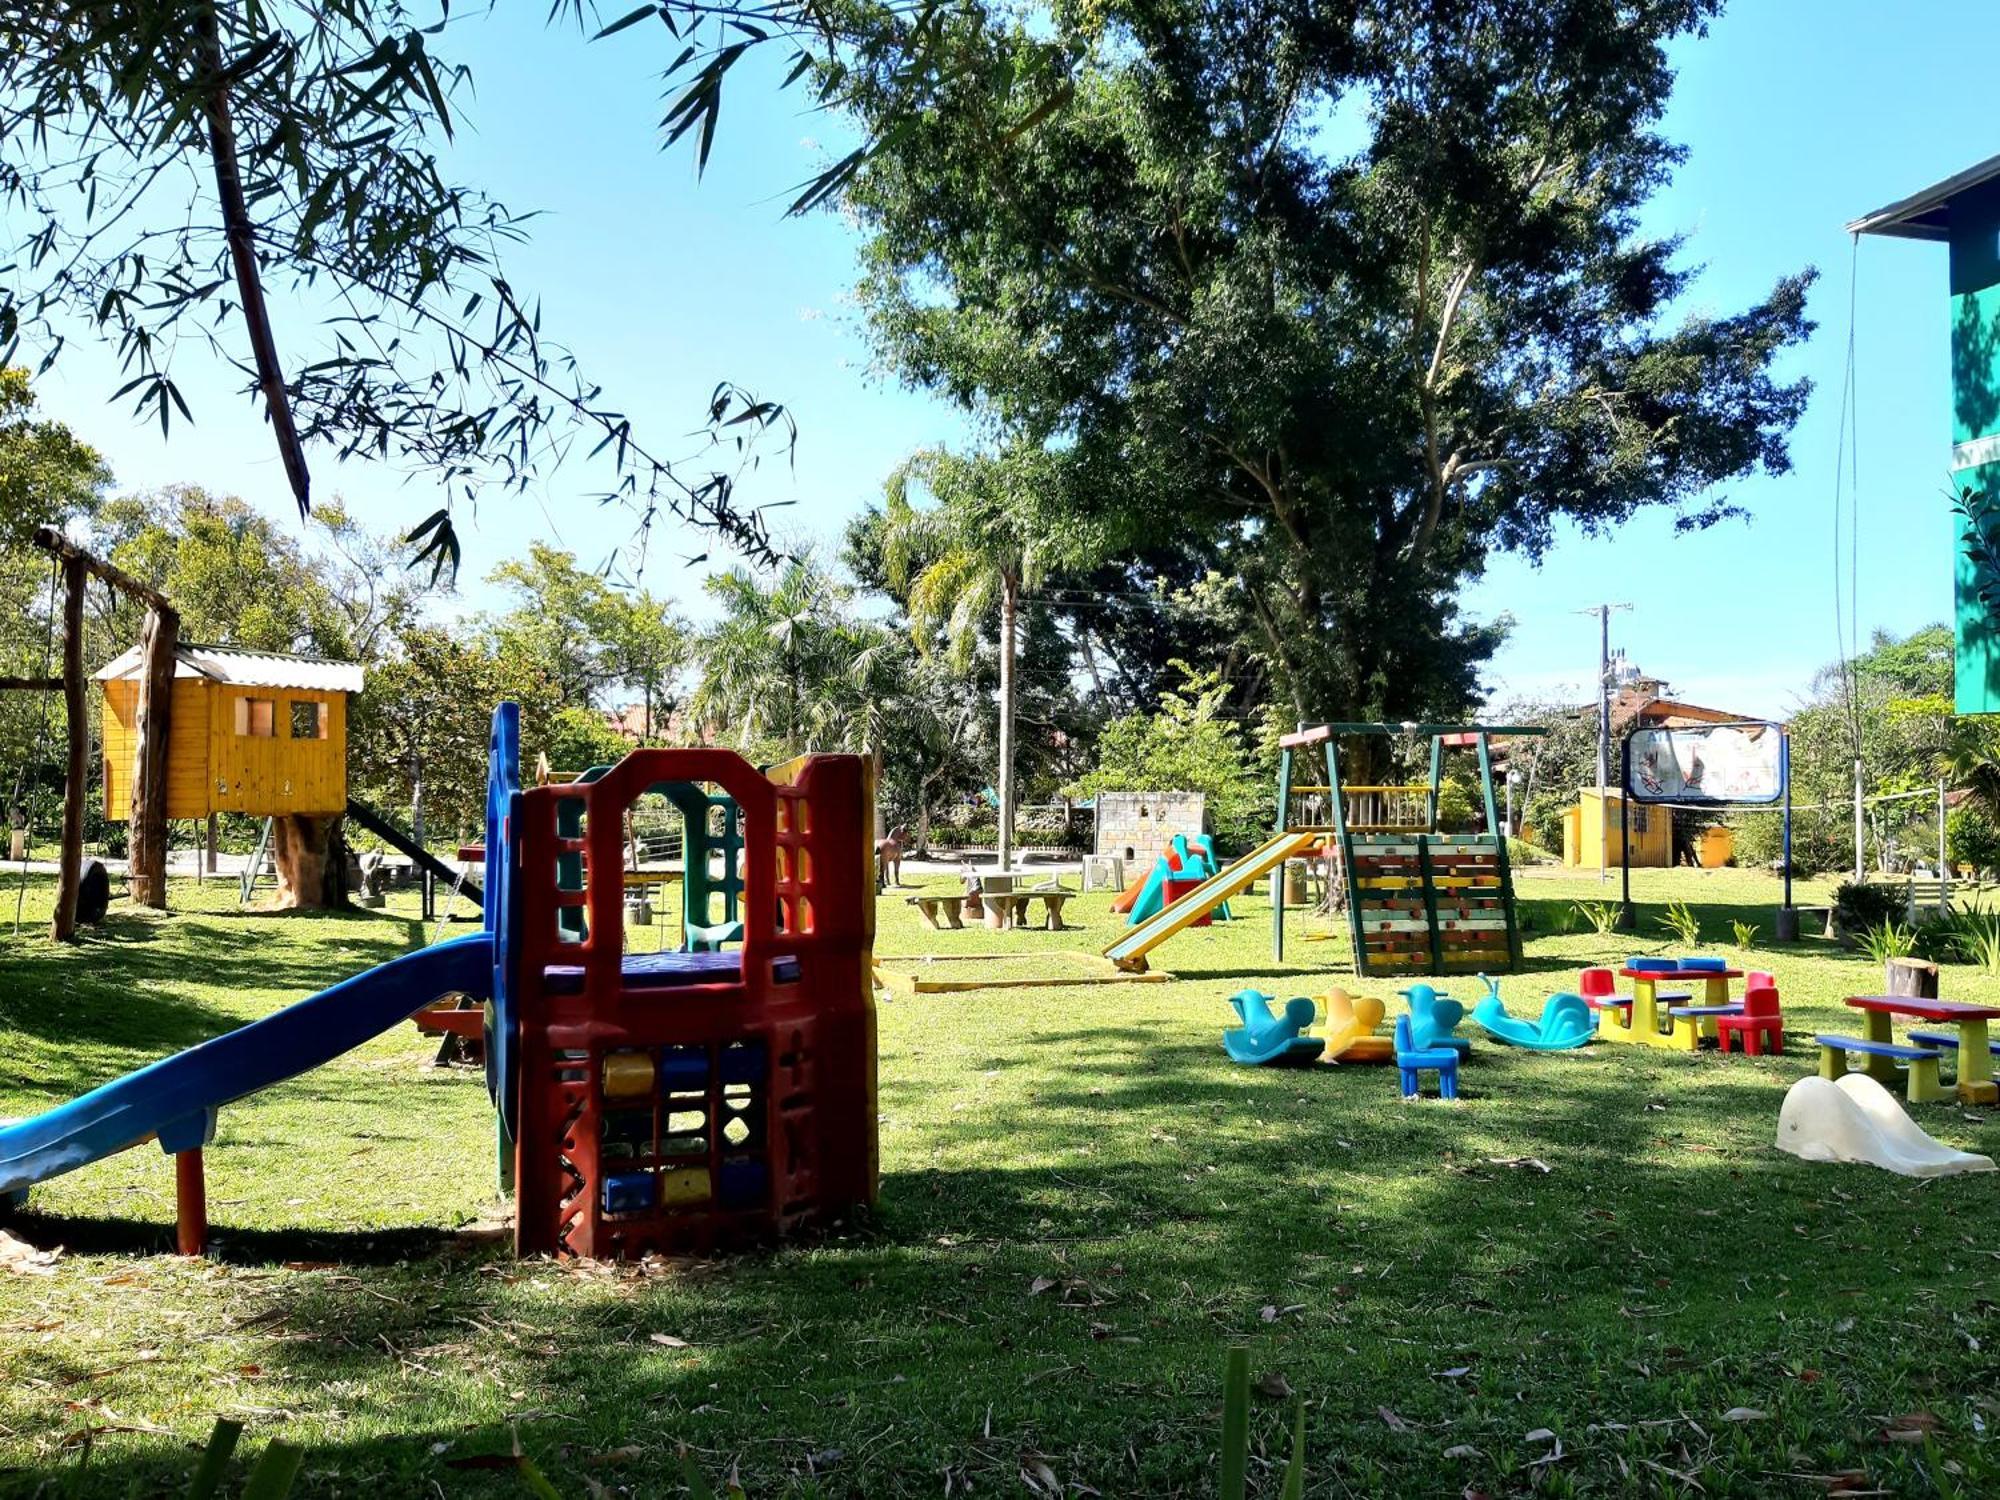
x,y
1584,825
248,732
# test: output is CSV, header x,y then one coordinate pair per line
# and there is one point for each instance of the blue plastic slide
x,y
175,1100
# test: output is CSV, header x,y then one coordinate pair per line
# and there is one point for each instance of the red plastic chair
x,y
1598,986
1757,979
1761,1019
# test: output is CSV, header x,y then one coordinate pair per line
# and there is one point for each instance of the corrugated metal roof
x,y
243,668
1926,215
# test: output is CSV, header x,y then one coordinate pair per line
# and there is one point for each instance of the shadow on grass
x,y
1166,1203
143,988
236,1245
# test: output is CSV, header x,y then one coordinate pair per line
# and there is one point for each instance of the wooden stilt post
x,y
63,927
190,1203
149,780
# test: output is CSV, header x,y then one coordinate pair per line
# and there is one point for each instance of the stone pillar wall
x,y
1137,826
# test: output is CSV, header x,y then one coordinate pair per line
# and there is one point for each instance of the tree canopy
x,y
1342,300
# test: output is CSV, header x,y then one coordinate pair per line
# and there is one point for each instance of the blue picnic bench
x,y
1920,1087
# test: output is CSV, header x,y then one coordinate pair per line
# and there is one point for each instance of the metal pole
x,y
1944,867
1603,613
1628,919
1604,742
1785,772
1860,827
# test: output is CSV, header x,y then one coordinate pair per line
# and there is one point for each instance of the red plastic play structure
x,y
648,1101
681,1100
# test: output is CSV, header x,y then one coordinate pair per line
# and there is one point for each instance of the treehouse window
x,y
308,721
256,718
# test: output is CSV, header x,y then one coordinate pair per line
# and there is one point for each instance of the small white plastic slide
x,y
1855,1119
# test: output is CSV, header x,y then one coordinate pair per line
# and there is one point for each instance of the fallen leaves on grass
x,y
19,1258
1910,1427
667,1340
1390,1420
1745,1414
1533,1163
1273,1384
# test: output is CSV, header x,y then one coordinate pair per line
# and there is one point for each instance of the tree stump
x,y
311,860
1914,977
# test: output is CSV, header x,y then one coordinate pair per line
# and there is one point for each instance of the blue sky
x,y
1798,114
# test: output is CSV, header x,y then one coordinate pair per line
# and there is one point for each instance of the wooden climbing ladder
x,y
1419,900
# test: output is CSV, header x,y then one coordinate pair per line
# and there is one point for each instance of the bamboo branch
x,y
242,237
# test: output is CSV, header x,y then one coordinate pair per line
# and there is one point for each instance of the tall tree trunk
x,y
311,860
148,849
75,711
1009,604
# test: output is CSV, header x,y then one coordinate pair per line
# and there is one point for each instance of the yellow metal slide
x,y
1130,951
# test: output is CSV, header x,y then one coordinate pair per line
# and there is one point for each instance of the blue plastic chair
x,y
1412,1061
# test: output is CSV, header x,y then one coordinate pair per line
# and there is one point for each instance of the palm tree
x,y
976,552
785,661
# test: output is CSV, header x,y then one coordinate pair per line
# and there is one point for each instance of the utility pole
x,y
1603,613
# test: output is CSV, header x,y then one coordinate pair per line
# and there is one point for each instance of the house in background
x,y
255,732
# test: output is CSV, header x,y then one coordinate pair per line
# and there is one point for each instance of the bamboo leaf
x,y
631,19
276,1471
1235,1421
215,1458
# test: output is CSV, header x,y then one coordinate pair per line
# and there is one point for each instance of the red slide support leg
x,y
190,1204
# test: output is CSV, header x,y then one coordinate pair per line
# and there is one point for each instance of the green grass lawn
x,y
1083,1203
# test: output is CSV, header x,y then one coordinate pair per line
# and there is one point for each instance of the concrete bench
x,y
1922,1085
934,907
1014,906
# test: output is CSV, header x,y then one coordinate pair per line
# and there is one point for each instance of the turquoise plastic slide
x,y
1196,853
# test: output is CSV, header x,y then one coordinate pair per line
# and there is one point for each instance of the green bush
x,y
1971,838
1822,841
1458,809
1542,819
1941,940
1859,907
1186,747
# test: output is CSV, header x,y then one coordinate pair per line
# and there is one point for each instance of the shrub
x,y
1679,920
1979,939
1859,906
1601,915
1888,940
1940,940
1746,932
1821,841
1457,808
1971,838
1542,819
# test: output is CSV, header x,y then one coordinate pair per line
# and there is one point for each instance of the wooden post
x,y
208,843
190,1203
149,779
63,927
1913,977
